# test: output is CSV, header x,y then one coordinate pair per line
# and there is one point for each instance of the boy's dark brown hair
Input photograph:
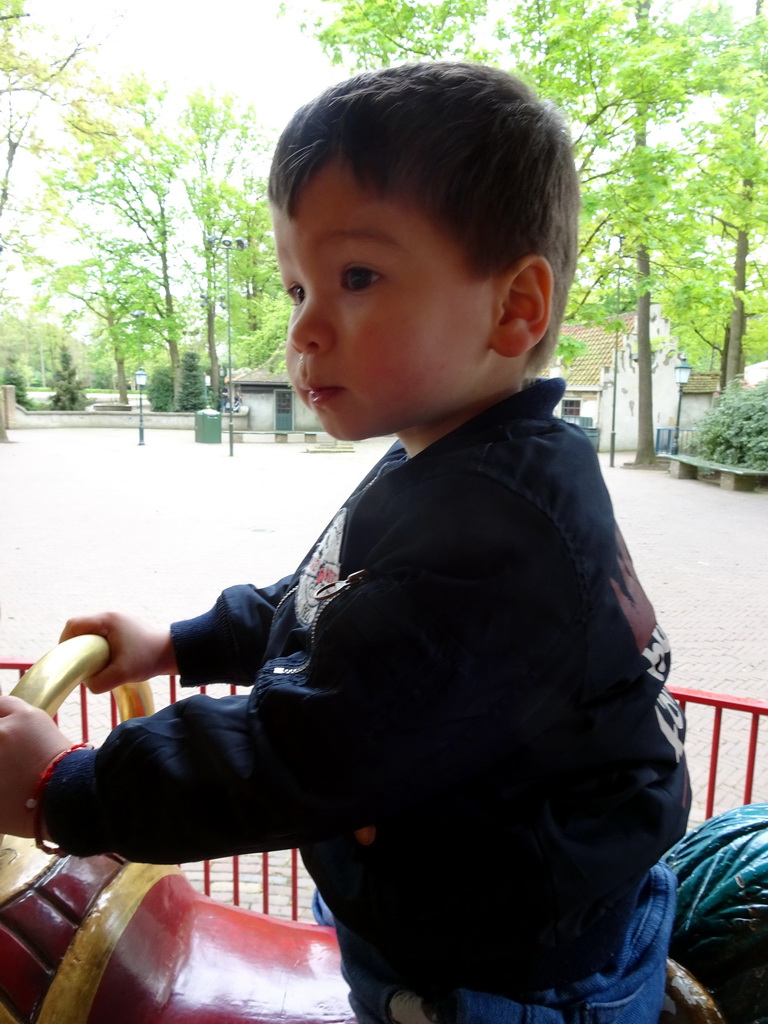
x,y
471,146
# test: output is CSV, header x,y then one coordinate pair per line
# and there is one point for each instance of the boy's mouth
x,y
319,396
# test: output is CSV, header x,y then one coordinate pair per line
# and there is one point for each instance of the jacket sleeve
x,y
227,643
462,645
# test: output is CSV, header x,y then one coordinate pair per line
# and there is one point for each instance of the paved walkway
x,y
91,520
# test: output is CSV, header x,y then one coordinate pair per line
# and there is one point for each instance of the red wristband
x,y
35,802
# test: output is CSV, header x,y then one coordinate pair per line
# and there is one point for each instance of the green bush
x,y
735,432
160,388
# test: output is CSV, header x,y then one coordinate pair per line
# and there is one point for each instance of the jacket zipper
x,y
325,593
332,589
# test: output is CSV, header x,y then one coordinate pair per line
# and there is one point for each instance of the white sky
x,y
242,48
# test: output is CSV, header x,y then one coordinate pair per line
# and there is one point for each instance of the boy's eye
x,y
296,294
357,278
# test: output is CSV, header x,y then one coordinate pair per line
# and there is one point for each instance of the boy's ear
x,y
525,292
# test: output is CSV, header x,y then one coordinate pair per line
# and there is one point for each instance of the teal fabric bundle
x,y
721,923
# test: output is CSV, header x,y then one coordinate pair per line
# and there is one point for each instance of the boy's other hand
x,y
29,741
137,652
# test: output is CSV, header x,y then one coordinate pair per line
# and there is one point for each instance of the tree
x,y
32,81
265,345
226,198
747,109
191,393
375,34
258,290
69,394
731,186
35,342
122,182
130,189
111,290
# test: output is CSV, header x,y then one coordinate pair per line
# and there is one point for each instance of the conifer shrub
x,y
69,395
191,396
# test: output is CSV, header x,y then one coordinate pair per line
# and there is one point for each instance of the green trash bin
x,y
208,426
593,433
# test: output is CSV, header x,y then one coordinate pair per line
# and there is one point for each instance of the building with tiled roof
x,y
705,383
586,370
270,402
602,382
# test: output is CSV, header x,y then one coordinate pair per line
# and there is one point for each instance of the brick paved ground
x,y
91,520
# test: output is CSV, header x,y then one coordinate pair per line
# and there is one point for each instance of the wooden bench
x,y
732,478
331,446
280,436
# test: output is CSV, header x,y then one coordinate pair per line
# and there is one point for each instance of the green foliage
x,y
38,80
36,344
15,375
735,432
191,395
160,388
391,29
569,348
69,395
267,342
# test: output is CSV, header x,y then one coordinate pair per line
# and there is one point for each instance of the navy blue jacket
x,y
465,667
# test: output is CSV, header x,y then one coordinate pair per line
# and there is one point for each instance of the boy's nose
x,y
310,329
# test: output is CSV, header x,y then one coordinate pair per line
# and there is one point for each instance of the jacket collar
x,y
535,402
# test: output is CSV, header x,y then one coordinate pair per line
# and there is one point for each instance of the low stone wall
x,y
23,420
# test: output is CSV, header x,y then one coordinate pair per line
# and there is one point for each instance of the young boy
x,y
457,703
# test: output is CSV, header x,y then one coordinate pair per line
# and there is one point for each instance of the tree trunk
x,y
210,322
734,363
645,455
122,383
171,339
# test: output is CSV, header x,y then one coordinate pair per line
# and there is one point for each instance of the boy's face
x,y
392,331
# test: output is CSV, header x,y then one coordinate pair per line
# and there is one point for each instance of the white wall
x,y
23,420
261,409
665,391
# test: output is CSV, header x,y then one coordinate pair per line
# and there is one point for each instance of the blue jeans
x,y
630,990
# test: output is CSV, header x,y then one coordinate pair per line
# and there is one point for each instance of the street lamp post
x,y
226,243
141,379
682,376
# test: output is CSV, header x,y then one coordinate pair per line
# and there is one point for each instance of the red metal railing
x,y
735,745
724,747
